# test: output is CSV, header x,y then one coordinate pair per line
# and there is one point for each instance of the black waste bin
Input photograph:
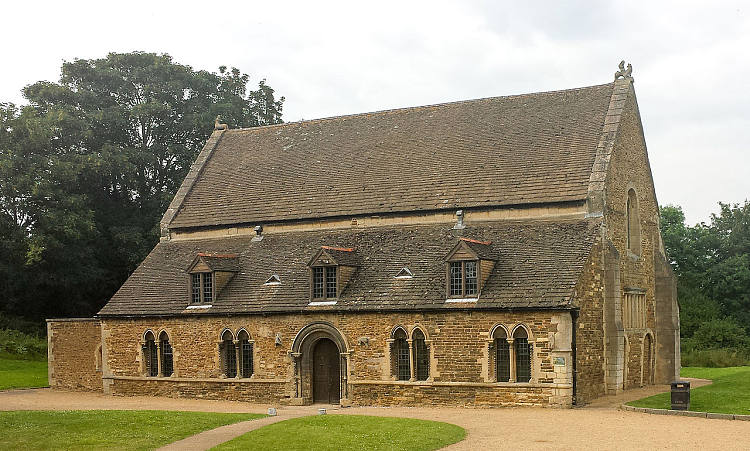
x,y
680,395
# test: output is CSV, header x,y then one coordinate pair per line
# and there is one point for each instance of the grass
x,y
16,373
349,432
105,429
729,393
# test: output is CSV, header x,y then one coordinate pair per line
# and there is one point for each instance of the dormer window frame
x,y
325,271
462,263
203,287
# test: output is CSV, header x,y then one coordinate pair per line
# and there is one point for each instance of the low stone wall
x,y
74,354
459,395
251,391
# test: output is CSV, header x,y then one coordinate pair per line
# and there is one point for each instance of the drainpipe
x,y
573,319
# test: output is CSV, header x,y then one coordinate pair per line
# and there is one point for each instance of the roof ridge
x,y
413,108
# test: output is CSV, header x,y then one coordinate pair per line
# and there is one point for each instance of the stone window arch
x,y
633,223
421,353
245,352
166,362
228,353
150,354
98,358
522,349
502,354
400,361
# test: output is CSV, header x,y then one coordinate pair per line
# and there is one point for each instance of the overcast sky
x,y
691,62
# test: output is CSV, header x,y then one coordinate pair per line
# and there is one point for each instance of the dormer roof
x,y
477,249
215,262
331,255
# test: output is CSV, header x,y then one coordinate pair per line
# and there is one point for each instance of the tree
x,y
90,165
712,263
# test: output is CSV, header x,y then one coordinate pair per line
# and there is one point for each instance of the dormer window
x,y
202,285
463,278
330,271
325,282
468,265
209,274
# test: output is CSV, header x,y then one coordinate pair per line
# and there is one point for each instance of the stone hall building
x,y
492,252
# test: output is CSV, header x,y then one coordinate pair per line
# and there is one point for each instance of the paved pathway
x,y
597,426
213,437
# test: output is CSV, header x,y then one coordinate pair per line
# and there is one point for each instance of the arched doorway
x,y
647,360
326,372
320,363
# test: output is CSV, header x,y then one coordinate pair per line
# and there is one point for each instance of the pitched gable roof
x,y
534,148
538,265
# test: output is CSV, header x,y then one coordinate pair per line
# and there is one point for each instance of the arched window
x,y
421,356
150,355
648,351
229,354
167,366
633,223
502,355
246,354
523,355
400,355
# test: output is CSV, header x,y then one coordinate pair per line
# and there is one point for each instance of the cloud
x,y
331,58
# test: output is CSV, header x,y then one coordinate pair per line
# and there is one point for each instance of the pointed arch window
x,y
228,354
246,354
523,355
400,355
150,355
502,355
633,223
167,363
421,356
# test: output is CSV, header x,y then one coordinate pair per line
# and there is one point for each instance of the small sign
x,y
560,361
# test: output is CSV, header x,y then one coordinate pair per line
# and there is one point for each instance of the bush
x,y
17,323
715,358
20,345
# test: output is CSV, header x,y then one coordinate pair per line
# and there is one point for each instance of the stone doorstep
x,y
686,413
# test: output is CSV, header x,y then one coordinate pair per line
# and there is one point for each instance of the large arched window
x,y
167,366
228,354
421,355
400,355
246,354
523,355
150,355
502,355
633,223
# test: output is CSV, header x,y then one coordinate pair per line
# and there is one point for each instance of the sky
x,y
691,62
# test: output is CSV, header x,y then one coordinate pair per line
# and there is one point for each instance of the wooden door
x,y
326,372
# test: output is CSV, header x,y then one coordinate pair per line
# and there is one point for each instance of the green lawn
x,y
105,429
729,393
22,373
349,432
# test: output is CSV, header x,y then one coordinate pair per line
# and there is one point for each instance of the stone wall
x,y
74,354
459,345
630,169
589,329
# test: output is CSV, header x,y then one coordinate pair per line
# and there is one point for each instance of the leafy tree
x,y
90,165
712,263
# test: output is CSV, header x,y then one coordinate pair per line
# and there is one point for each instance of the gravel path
x,y
599,425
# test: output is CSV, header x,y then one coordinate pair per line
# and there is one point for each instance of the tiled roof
x,y
524,149
537,266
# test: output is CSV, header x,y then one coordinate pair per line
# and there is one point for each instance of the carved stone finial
x,y
218,125
624,73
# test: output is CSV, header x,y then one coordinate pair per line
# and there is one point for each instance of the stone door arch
x,y
323,339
